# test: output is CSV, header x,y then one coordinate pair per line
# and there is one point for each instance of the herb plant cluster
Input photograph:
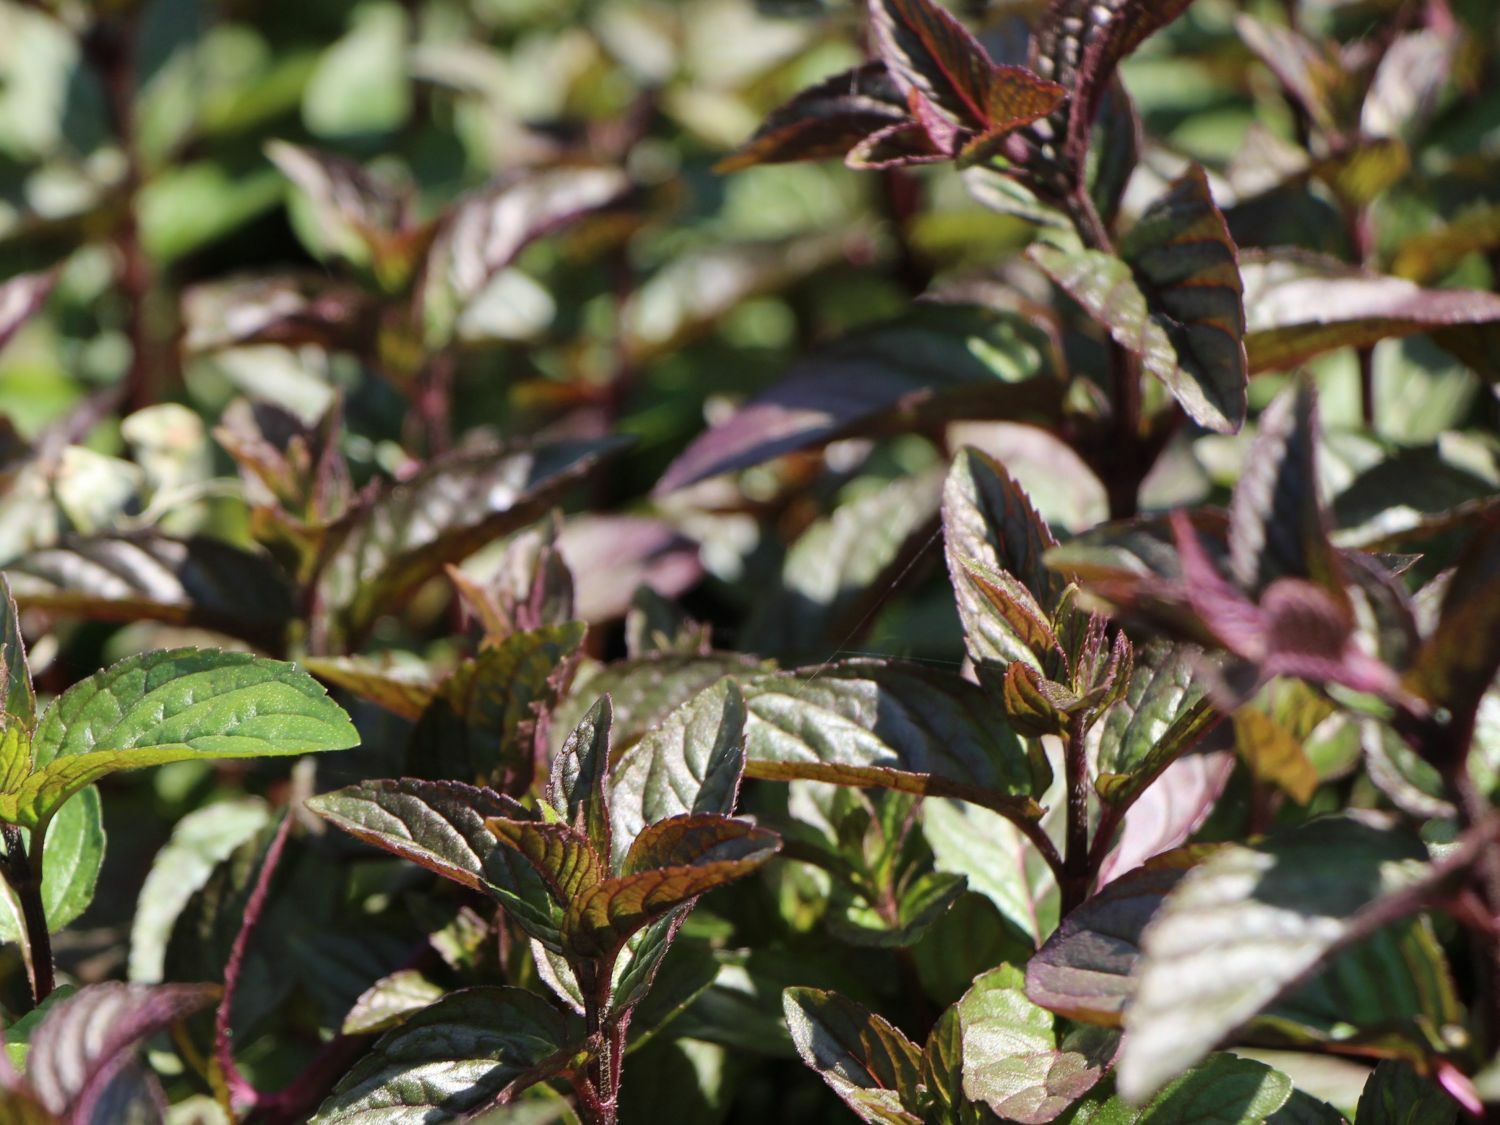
x,y
723,560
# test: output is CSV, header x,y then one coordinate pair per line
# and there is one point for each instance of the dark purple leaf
x,y
865,1060
824,121
933,363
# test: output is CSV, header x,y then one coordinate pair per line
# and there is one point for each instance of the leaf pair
x,y
934,95
993,1050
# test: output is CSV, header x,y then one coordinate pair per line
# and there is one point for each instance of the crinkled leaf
x,y
577,786
1173,299
937,361
1290,900
867,723
483,234
76,1050
1164,708
197,581
563,858
690,763
73,853
704,852
482,727
200,841
441,826
1300,305
866,1061
451,1058
175,706
1395,1094
1012,1060
824,121
443,514
995,541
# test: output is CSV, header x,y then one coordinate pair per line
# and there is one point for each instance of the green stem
x,y
24,874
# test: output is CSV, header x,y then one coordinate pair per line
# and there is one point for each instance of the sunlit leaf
x,y
390,1001
867,1062
73,853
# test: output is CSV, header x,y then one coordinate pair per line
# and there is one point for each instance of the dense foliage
x,y
716,560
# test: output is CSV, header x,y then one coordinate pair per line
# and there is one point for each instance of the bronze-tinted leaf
x,y
824,121
577,785
1300,305
866,1061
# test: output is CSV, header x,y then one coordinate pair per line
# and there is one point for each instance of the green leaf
x,y
1012,1060
704,852
1174,299
484,232
1301,305
938,361
868,1063
361,84
18,1033
482,726
994,542
17,698
197,581
1164,710
577,786
919,904
998,860
1395,1094
843,564
200,841
691,763
169,707
442,514
867,723
73,853
1221,1090
1244,927
449,1059
441,825
390,1001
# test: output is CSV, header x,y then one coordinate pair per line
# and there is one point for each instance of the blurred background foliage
x,y
136,161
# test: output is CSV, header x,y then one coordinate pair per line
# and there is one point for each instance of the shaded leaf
x,y
451,1058
444,513
483,234
937,361
999,862
175,706
918,904
17,697
577,785
76,1050
1396,1095
200,841
1300,305
867,723
197,581
867,1062
1223,1089
483,724
441,826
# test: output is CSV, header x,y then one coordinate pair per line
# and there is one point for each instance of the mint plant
x,y
900,561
